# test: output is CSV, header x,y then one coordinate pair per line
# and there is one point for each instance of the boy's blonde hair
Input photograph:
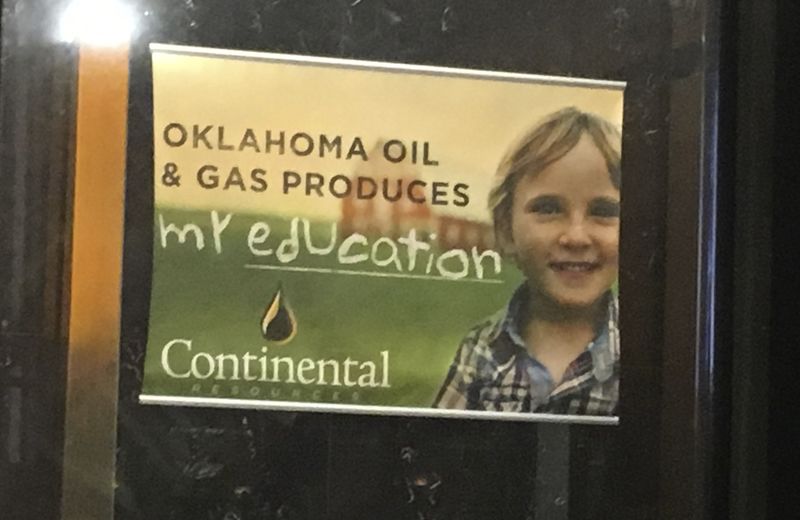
x,y
551,139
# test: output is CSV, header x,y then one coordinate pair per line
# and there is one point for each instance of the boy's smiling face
x,y
565,228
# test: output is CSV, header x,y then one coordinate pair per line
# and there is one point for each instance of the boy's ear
x,y
503,241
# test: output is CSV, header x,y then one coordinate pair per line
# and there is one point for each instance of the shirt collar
x,y
604,348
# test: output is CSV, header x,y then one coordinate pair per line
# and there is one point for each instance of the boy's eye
x,y
545,205
604,208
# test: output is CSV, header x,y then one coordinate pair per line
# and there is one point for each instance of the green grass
x,y
218,303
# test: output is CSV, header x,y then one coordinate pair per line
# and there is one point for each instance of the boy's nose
x,y
575,234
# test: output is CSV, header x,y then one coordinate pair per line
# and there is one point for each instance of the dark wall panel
x,y
193,463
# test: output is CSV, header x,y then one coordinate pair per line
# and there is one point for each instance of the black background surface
x,y
689,65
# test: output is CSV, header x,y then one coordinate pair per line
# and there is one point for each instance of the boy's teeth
x,y
574,266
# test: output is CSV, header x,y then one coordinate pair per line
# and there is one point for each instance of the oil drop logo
x,y
278,324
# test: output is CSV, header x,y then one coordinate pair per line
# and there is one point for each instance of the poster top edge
x,y
385,66
432,413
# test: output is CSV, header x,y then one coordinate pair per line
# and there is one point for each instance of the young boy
x,y
555,347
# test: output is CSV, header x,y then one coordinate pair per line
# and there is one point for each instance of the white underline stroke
x,y
349,272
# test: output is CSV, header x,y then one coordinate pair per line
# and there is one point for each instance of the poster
x,y
333,235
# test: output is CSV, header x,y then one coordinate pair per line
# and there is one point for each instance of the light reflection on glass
x,y
103,23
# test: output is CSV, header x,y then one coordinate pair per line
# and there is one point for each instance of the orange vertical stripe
x,y
95,283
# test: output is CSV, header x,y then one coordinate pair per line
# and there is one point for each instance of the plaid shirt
x,y
493,371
